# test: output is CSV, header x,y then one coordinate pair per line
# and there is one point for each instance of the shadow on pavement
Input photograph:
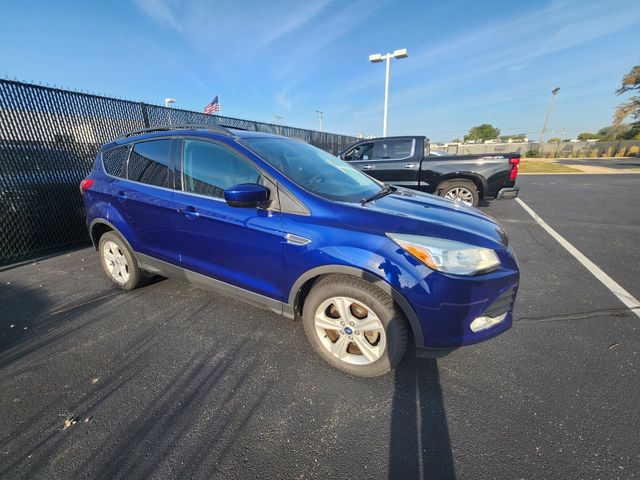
x,y
420,444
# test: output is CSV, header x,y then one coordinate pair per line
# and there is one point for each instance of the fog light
x,y
482,323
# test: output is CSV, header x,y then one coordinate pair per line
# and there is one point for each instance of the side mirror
x,y
246,195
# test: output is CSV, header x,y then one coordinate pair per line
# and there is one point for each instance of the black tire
x,y
134,272
393,321
467,185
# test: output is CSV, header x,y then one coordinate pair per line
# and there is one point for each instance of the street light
x,y
319,112
168,101
377,58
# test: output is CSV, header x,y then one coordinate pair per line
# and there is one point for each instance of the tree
x,y
482,132
554,140
455,140
622,131
588,136
630,108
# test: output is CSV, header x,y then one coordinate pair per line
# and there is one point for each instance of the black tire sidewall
x,y
392,320
134,270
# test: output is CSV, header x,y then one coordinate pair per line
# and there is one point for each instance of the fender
x,y
467,175
97,221
368,277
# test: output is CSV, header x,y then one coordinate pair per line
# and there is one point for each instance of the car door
x,y
237,246
394,161
144,199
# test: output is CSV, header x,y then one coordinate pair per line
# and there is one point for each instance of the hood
x,y
409,211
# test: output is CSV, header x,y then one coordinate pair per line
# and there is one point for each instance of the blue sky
x,y
469,62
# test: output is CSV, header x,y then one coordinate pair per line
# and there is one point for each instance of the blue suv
x,y
366,266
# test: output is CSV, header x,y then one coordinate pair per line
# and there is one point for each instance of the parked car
x,y
406,162
367,267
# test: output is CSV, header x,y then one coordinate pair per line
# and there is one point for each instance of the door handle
x,y
368,167
190,212
410,165
121,196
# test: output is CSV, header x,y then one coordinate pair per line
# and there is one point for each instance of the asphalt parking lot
x,y
170,381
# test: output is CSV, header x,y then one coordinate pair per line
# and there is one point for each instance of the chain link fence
x,y
48,141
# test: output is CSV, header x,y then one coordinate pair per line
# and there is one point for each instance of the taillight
x,y
515,163
85,184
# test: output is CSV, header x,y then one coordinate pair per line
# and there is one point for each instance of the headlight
x,y
447,255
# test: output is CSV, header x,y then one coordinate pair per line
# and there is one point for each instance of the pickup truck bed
x,y
405,161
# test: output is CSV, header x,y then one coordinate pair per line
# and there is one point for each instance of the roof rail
x,y
178,126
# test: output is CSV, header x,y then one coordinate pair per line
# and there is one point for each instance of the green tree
x,y
624,131
554,140
630,108
587,136
485,131
455,140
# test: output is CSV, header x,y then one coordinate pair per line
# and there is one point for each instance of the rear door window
x,y
115,161
393,148
208,169
149,163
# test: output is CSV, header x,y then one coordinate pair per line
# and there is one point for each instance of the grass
x,y
532,166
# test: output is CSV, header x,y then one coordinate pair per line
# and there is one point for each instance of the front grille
x,y
502,304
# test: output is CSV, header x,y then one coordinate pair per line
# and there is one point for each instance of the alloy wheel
x,y
350,330
116,262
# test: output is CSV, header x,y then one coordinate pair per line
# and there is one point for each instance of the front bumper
x,y
455,311
508,193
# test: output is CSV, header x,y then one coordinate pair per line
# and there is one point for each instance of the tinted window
x,y
210,168
115,161
400,148
360,152
149,163
315,170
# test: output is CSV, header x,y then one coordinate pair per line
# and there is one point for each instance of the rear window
x,y
115,161
149,163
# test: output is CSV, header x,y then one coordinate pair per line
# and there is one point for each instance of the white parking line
x,y
624,296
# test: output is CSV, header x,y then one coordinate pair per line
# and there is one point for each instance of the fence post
x,y
145,115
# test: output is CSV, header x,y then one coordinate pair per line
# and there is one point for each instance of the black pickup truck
x,y
405,161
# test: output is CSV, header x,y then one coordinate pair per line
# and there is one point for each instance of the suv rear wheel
x,y
354,326
461,191
118,262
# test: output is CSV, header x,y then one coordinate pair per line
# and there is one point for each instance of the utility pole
x,y
554,94
319,118
276,119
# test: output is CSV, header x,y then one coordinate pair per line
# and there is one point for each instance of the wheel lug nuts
x,y
342,323
357,332
351,323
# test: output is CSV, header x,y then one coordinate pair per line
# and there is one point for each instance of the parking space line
x,y
615,288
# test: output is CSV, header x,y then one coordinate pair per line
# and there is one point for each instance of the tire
x,y
118,262
461,191
372,323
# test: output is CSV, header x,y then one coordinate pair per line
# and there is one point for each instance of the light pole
x,y
169,101
554,94
377,58
319,118
276,119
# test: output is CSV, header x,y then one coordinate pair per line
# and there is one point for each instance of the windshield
x,y
315,170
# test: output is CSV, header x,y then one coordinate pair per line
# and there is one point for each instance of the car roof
x,y
198,131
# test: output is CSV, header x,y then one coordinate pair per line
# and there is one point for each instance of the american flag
x,y
213,107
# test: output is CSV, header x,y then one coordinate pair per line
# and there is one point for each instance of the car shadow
x,y
420,446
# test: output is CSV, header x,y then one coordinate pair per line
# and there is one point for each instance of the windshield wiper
x,y
386,190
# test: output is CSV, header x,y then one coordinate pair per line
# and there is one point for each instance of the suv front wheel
x,y
354,326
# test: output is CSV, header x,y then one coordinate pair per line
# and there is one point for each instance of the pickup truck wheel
x,y
118,262
354,326
461,191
